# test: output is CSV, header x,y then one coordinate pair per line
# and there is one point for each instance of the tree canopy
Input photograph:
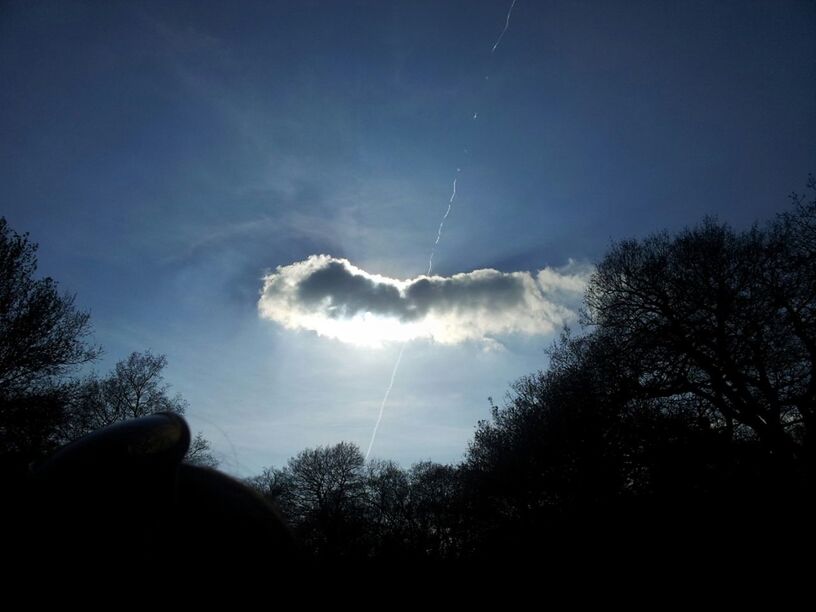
x,y
43,337
42,334
134,388
43,340
727,317
678,415
683,406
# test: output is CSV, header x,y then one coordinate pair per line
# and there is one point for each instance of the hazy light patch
x,y
366,329
336,299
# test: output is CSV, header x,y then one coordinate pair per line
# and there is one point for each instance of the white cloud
x,y
334,298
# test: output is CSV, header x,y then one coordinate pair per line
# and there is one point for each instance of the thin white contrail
x,y
402,349
442,224
384,401
430,259
506,25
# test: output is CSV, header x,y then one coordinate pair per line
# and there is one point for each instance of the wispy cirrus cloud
x,y
334,298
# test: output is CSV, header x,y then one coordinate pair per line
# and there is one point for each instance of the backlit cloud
x,y
334,298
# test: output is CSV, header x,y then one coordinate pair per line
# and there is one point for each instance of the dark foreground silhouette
x,y
121,499
674,429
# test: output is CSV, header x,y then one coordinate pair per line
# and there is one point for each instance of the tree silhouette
x,y
43,337
681,412
342,508
321,491
722,316
134,388
200,452
436,509
389,509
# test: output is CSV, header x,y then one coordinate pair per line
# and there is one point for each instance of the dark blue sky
x,y
165,155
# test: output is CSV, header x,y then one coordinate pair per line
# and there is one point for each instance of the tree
x,y
341,506
321,491
389,511
134,388
415,513
726,317
43,337
273,484
558,449
327,480
200,452
790,288
436,510
579,456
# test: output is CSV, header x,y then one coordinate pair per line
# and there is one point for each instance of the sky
x,y
256,189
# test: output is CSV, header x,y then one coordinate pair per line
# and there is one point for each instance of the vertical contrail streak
x,y
442,225
384,401
506,25
433,250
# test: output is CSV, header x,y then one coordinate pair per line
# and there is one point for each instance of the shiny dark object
x,y
121,499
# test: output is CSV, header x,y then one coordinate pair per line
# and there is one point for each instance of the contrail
x,y
442,224
384,401
433,250
506,25
402,350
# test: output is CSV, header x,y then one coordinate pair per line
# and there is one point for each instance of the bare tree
x,y
200,452
43,337
272,483
726,317
322,493
134,388
327,480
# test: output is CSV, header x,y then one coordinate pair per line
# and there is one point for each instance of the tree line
x,y
44,341
681,413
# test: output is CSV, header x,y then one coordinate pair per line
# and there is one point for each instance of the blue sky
x,y
168,156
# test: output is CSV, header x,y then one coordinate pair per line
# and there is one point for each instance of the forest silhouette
x,y
679,417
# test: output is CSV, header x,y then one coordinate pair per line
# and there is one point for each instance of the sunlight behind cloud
x,y
336,299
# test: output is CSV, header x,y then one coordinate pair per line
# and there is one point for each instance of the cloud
x,y
334,298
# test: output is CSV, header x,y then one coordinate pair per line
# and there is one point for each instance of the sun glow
x,y
335,299
368,329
